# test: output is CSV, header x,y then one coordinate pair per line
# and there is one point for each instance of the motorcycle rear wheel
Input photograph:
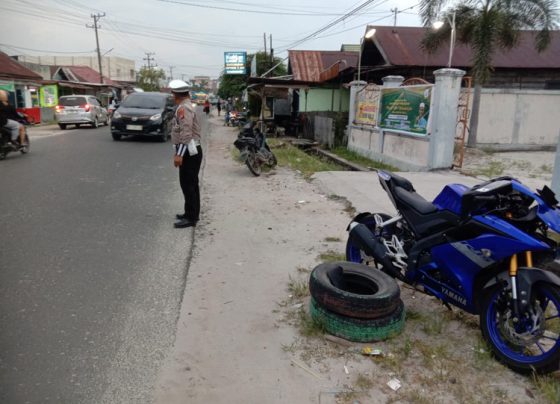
x,y
253,163
531,344
354,253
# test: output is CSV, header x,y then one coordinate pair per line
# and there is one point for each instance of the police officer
x,y
188,152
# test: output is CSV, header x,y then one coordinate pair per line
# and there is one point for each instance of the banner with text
x,y
367,105
234,62
406,109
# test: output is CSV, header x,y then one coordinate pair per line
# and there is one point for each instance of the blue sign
x,y
235,62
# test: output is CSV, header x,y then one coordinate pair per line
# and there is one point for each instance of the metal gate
x,y
463,117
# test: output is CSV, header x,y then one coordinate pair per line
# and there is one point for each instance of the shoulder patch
x,y
181,112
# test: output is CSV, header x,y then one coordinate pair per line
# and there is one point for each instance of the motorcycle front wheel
x,y
253,163
531,343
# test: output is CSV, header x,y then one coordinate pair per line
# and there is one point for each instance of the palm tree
x,y
487,25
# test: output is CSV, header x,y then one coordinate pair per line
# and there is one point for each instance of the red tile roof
x,y
11,69
400,46
318,66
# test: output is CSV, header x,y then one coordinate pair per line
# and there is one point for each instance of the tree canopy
x,y
487,25
149,79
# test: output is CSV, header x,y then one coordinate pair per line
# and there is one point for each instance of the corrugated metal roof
x,y
400,46
318,66
350,48
84,74
10,68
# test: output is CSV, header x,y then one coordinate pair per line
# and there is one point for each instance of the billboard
x,y
367,107
49,95
406,109
234,62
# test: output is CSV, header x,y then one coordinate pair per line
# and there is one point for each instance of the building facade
x,y
114,67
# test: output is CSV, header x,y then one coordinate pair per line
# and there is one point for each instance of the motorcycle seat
x,y
414,200
402,182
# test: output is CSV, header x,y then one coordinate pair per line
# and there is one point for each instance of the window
x,y
132,73
119,73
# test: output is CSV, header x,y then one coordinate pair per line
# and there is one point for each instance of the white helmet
x,y
179,86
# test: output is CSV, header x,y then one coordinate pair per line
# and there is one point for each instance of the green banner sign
x,y
406,109
49,95
7,86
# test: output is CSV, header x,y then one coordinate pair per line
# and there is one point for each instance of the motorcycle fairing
x,y
550,215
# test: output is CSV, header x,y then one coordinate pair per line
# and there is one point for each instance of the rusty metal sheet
x,y
11,69
401,46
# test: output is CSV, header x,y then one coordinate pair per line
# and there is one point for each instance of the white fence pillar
x,y
355,86
392,81
444,117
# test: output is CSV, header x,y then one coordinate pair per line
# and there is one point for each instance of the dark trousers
x,y
188,178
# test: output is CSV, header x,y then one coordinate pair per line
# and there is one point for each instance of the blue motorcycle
x,y
490,250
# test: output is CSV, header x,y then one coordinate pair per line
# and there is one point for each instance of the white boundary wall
x,y
519,119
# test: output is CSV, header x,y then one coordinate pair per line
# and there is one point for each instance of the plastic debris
x,y
297,306
301,202
346,370
369,351
394,384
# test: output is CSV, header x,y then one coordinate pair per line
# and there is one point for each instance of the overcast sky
x,y
190,35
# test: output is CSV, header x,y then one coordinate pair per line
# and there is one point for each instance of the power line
x,y
309,14
330,25
43,50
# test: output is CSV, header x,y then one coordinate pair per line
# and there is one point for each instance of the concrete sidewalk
x,y
363,191
44,131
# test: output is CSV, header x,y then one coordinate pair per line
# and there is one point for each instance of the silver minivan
x,y
80,109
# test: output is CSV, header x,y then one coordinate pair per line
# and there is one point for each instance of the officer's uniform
x,y
186,128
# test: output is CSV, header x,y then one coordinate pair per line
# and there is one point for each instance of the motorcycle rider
x,y
9,118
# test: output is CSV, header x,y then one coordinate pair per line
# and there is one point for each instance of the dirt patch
x,y
244,334
487,164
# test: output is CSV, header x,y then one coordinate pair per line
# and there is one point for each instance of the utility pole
x,y
171,72
264,36
148,59
271,51
396,11
96,18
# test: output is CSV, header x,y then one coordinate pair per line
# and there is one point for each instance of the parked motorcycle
x,y
489,250
254,149
7,146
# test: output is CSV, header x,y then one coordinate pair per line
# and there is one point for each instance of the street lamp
x,y
438,25
368,35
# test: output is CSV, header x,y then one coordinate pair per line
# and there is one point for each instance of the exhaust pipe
x,y
363,238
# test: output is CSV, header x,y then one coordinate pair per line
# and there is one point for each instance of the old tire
x,y
359,330
253,164
354,290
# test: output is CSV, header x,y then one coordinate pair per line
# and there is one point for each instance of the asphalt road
x,y
91,269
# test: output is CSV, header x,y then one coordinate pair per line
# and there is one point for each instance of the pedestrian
x,y
185,135
219,107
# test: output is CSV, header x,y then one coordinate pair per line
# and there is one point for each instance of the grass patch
x,y
296,159
308,326
493,169
548,387
482,357
298,288
434,325
354,157
363,382
331,256
348,208
303,270
547,168
332,239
